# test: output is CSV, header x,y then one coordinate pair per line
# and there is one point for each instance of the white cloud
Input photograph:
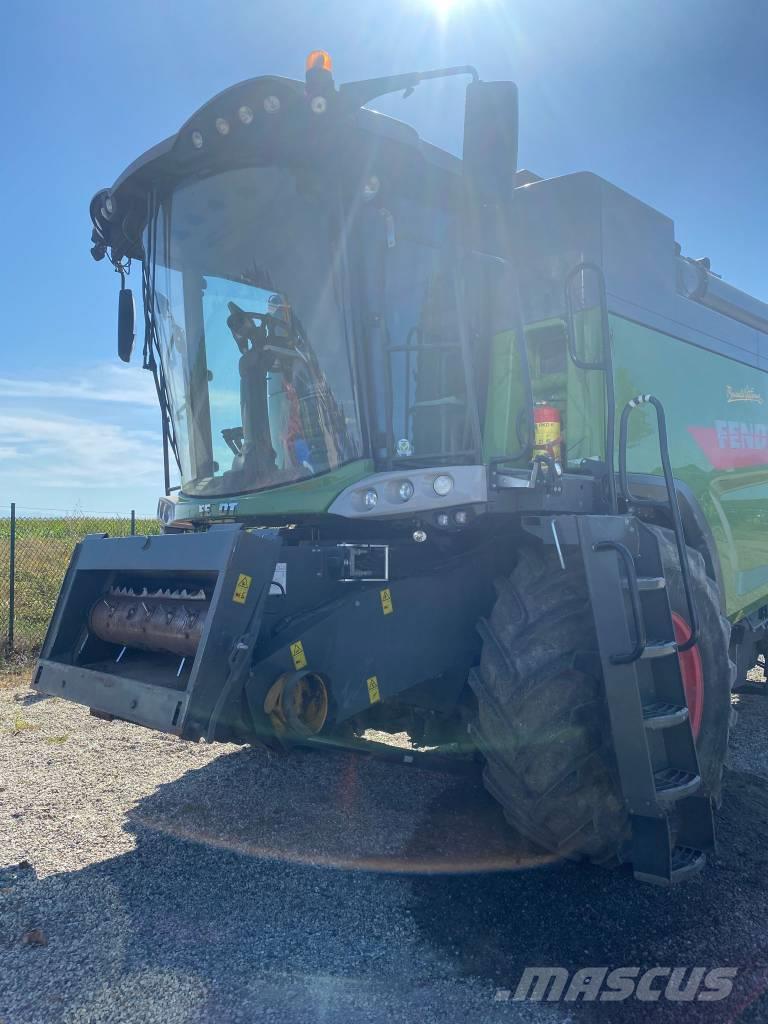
x,y
224,400
75,452
109,382
89,438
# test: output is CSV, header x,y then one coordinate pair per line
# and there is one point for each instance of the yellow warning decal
x,y
386,601
373,690
298,655
242,587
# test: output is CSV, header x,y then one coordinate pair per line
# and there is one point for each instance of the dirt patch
x,y
15,676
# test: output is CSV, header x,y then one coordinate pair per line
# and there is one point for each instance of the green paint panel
x,y
717,421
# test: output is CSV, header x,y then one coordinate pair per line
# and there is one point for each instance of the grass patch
x,y
56,740
21,724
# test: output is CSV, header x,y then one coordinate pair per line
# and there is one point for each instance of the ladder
x,y
671,821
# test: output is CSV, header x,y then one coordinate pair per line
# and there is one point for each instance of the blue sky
x,y
666,99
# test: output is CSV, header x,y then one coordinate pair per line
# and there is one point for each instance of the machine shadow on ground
x,y
227,857
579,916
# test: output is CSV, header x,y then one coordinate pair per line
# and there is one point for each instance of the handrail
x,y
671,489
604,365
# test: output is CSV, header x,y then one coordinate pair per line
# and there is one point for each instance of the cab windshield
x,y
251,328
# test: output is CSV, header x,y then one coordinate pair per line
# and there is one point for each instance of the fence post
x,y
133,522
12,578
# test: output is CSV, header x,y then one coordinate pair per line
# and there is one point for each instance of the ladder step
x,y
662,715
674,783
684,862
659,649
651,583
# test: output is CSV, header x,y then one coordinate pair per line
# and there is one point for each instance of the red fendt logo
x,y
733,445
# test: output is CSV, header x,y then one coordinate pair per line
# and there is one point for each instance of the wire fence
x,y
35,548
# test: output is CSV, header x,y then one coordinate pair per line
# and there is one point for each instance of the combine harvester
x,y
462,452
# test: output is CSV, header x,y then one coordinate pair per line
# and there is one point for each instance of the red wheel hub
x,y
692,673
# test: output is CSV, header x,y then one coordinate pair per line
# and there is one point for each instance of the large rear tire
x,y
542,725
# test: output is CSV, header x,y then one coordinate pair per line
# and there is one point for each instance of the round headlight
x,y
222,126
419,536
370,499
461,517
197,140
443,485
271,104
245,114
405,490
319,104
443,519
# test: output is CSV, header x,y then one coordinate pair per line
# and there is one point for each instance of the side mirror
x,y
490,139
126,324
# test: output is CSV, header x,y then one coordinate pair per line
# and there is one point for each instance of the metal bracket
x,y
355,555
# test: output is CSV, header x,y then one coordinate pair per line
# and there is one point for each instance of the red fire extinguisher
x,y
548,432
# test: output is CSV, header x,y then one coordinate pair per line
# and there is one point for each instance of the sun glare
x,y
443,9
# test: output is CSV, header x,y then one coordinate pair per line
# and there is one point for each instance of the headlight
x,y
405,490
108,208
370,499
443,485
166,510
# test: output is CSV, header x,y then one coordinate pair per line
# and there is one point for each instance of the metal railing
x,y
35,548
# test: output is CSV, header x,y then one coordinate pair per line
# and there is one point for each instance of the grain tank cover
x,y
559,223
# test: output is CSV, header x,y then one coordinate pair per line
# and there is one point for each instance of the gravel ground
x,y
143,879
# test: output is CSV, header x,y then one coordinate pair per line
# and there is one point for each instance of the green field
x,y
43,549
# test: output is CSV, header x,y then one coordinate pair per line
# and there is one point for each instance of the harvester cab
x,y
395,385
